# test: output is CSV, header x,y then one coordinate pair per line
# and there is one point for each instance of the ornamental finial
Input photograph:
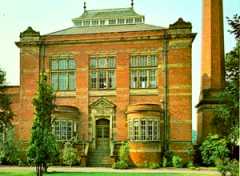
x,y
85,6
132,3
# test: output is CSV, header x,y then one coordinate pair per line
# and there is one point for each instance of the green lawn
x,y
30,173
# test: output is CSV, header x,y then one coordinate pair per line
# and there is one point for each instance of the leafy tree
x,y
10,148
235,24
69,154
6,114
43,147
227,113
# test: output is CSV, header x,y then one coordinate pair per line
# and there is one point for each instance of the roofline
x,y
51,34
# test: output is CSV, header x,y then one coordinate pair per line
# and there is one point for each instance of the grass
x,y
31,173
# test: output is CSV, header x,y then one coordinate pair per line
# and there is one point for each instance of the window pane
x,y
111,79
152,78
54,64
63,81
102,79
69,130
136,130
153,60
149,130
106,132
71,64
143,130
143,78
62,64
134,79
72,82
133,61
57,130
111,62
54,81
93,78
155,131
102,63
143,61
93,63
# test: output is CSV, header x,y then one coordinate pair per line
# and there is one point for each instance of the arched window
x,y
63,76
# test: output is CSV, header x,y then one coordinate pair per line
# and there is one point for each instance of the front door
x,y
102,134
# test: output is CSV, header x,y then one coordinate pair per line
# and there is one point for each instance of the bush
x,y
124,153
167,159
10,149
214,148
152,165
69,154
177,161
120,165
164,162
228,166
123,156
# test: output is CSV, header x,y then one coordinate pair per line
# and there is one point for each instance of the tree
x,y
43,147
235,24
227,113
6,114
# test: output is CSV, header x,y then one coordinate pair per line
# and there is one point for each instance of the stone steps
x,y
99,158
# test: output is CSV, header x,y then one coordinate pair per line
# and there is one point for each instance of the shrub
x,y
190,164
167,159
152,165
10,149
164,162
214,148
123,156
69,154
228,166
177,161
120,165
124,153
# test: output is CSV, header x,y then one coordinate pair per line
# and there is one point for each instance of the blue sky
x,y
51,15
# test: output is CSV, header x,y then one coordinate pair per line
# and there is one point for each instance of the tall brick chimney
x,y
212,71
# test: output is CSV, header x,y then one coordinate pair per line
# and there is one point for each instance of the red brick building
x,y
116,79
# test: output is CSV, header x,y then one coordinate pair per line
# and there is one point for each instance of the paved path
x,y
103,169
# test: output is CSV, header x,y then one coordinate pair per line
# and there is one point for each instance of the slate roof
x,y
105,29
108,13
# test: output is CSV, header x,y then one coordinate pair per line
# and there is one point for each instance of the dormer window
x,y
121,21
129,21
113,21
95,22
102,22
80,23
86,23
138,20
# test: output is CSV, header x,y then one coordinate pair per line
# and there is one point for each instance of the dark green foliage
x,y
120,165
10,149
43,147
6,114
151,165
69,154
177,161
226,166
235,25
124,153
124,158
214,148
164,162
167,159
